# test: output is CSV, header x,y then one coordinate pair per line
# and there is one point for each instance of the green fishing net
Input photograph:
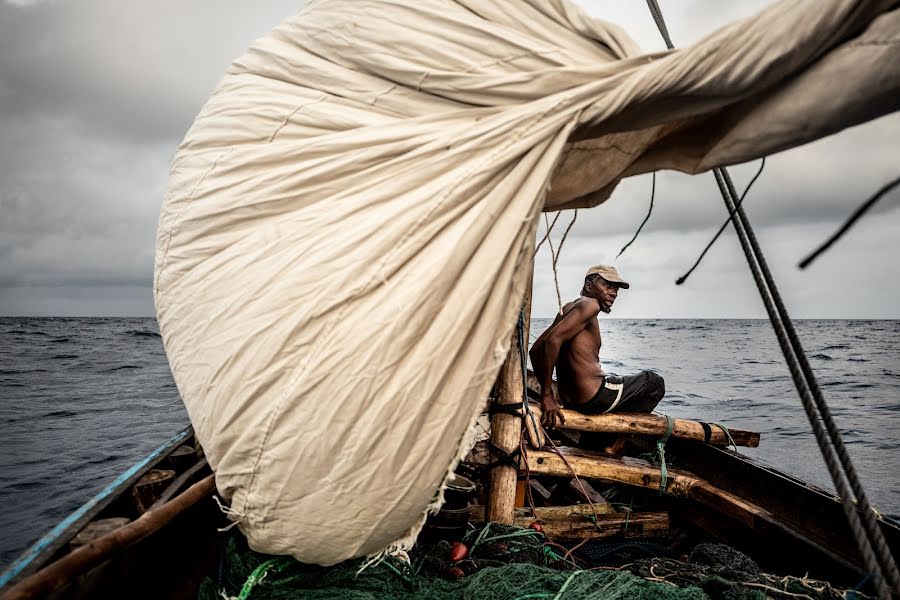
x,y
503,563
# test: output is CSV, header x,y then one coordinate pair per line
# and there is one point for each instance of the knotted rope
x,y
661,452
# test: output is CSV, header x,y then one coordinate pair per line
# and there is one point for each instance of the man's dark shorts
x,y
635,393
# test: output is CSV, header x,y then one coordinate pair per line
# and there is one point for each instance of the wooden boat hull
x,y
168,560
812,534
804,531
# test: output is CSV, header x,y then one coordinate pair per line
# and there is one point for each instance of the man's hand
x,y
550,411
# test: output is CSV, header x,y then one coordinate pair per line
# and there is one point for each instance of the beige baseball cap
x,y
608,273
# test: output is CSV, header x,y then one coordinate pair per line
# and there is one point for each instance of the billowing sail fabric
x,y
347,234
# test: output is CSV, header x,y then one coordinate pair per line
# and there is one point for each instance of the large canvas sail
x,y
347,233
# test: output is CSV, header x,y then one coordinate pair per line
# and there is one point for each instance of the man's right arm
x,y
545,352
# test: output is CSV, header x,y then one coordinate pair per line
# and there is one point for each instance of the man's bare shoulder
x,y
584,307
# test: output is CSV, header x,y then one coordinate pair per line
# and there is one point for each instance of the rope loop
x,y
727,435
661,452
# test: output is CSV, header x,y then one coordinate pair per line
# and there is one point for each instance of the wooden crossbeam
x,y
637,423
640,473
578,522
634,472
655,425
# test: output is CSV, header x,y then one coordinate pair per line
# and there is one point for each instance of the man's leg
x,y
640,394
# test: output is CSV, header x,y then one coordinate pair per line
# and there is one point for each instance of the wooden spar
x,y
654,425
578,522
66,569
546,513
506,430
638,473
644,424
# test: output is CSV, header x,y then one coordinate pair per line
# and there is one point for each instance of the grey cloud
x,y
95,95
853,280
137,69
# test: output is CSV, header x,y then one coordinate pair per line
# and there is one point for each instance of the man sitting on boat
x,y
572,345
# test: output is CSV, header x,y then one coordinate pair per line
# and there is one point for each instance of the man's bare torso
x,y
578,370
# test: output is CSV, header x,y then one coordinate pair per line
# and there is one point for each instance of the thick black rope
x,y
513,410
644,222
684,277
827,435
504,458
817,410
860,211
660,23
808,389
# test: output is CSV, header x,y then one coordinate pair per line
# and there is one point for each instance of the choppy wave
x,y
143,333
24,332
61,413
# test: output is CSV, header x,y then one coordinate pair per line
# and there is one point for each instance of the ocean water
x,y
81,400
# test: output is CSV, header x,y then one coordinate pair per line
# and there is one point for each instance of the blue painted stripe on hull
x,y
34,551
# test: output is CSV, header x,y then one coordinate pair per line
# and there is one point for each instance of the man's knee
x,y
656,385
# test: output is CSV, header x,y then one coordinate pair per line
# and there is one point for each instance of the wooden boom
x,y
655,425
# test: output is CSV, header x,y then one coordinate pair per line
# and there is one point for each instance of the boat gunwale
x,y
35,557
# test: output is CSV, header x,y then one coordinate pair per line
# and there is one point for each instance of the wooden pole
x,y
652,425
66,569
578,523
506,430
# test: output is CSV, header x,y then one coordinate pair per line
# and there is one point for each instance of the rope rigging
x,y
876,555
555,252
859,212
644,222
684,277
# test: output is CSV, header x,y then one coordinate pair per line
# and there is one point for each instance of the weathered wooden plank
x,y
578,522
587,492
180,481
476,512
149,487
640,473
641,424
654,425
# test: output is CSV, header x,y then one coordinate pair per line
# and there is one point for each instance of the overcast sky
x,y
95,96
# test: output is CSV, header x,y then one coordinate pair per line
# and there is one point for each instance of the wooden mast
x,y
506,429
